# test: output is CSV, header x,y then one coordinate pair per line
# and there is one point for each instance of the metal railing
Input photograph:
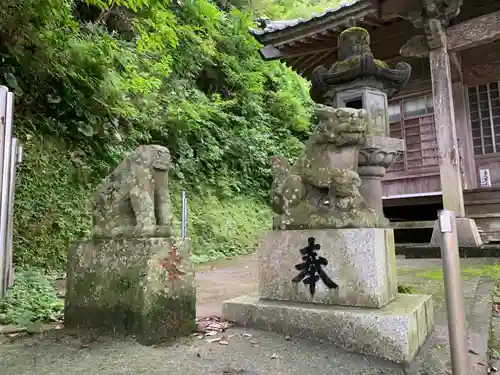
x,y
10,156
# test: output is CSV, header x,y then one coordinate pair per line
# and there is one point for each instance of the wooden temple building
x,y
448,113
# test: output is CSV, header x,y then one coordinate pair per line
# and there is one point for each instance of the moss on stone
x,y
166,318
362,32
102,301
125,289
344,65
381,64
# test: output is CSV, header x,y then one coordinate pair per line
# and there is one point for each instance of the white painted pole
x,y
16,156
6,114
184,213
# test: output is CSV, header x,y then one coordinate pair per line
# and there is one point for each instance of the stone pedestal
x,y
139,286
371,187
365,314
361,261
467,233
395,332
376,155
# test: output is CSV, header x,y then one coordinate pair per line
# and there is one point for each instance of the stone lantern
x,y
358,80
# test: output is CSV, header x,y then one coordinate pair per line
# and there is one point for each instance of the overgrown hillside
x,y
94,80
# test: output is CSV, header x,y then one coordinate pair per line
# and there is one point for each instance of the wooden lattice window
x,y
484,105
413,120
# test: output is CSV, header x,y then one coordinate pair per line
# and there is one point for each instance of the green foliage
x,y
228,227
405,289
282,9
51,202
33,298
94,79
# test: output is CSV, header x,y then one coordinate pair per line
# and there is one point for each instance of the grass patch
x,y
490,271
32,298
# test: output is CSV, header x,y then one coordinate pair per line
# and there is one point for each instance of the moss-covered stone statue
x,y
131,276
321,190
134,201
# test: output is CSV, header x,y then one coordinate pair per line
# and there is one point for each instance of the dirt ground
x,y
248,352
225,279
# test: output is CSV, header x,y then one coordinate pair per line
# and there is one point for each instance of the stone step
x,y
394,332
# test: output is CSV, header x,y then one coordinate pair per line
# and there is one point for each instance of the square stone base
x,y
395,332
467,233
361,261
138,286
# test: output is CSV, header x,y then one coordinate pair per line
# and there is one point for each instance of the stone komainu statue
x,y
321,189
134,200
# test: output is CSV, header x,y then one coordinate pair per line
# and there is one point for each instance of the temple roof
x,y
275,26
304,44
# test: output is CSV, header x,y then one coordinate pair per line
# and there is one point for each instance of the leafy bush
x,y
405,289
32,298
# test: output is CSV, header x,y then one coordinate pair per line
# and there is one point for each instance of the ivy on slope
x,y
95,79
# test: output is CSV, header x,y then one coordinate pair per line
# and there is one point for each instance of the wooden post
x,y
464,134
446,132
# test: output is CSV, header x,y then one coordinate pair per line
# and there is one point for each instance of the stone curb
x,y
424,251
34,328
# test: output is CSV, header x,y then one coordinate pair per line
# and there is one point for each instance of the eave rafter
x,y
467,34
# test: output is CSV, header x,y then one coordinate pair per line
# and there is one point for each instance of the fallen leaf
x,y
287,338
496,309
211,333
246,335
223,342
211,341
211,323
493,369
274,356
473,352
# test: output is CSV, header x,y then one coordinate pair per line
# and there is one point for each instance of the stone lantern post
x,y
358,80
